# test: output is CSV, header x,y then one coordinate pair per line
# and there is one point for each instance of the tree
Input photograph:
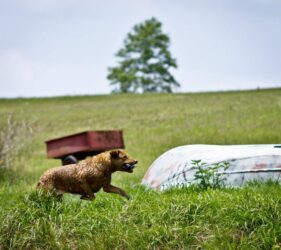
x,y
144,61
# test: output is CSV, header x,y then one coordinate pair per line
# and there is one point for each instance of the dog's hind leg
x,y
59,194
88,193
87,197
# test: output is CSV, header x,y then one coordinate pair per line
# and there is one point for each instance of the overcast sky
x,y
64,47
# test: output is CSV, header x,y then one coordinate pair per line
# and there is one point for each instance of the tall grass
x,y
14,135
248,218
244,218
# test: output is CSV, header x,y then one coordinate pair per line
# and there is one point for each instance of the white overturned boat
x,y
247,163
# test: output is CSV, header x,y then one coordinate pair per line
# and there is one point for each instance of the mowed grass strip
x,y
246,218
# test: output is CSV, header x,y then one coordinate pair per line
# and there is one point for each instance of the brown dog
x,y
88,176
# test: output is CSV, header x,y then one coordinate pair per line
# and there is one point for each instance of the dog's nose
x,y
136,162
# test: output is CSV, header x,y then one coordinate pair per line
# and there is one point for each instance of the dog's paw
x,y
129,198
87,197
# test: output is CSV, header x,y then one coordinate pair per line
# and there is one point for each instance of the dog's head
x,y
122,161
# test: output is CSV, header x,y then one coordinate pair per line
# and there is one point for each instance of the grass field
x,y
247,218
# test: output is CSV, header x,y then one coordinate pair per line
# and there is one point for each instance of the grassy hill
x,y
247,218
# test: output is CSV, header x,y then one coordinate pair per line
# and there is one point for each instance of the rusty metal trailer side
x,y
84,144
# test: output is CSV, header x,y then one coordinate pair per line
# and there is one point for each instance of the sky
x,y
64,47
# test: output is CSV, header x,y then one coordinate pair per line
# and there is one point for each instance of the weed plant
x,y
209,176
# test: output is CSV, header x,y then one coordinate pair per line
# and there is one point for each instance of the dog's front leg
x,y
116,190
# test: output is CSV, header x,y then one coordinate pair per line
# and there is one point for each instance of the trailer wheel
x,y
70,159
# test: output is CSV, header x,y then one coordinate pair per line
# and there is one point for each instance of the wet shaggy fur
x,y
88,176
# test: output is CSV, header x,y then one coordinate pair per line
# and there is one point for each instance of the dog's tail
x,y
39,185
42,184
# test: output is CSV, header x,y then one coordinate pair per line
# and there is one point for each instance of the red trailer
x,y
76,147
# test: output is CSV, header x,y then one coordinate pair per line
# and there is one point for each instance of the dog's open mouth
x,y
129,167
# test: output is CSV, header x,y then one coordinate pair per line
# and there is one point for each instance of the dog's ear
x,y
114,154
